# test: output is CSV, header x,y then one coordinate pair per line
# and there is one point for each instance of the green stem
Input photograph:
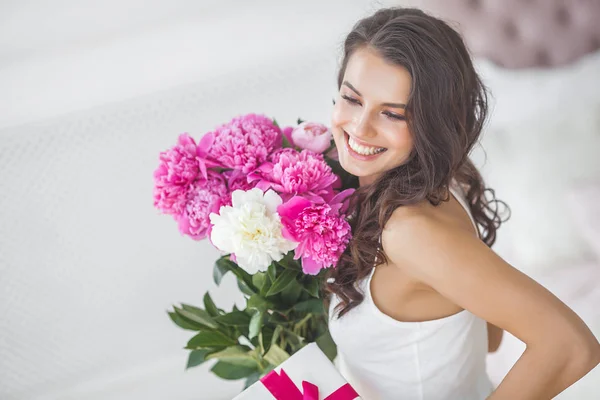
x,y
304,320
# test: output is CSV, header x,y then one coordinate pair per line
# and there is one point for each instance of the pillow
x,y
531,164
584,202
543,93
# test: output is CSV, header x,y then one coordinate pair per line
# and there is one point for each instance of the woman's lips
x,y
356,155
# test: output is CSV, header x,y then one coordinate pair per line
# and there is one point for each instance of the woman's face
x,y
368,120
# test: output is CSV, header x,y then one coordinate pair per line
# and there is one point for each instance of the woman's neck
x,y
366,180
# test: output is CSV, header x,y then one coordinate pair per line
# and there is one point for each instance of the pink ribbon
x,y
282,388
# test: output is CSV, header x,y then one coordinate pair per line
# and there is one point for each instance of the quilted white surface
x,y
88,268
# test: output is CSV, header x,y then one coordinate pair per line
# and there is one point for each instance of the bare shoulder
x,y
464,270
408,215
416,223
414,235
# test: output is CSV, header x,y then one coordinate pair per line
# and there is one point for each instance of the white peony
x,y
251,229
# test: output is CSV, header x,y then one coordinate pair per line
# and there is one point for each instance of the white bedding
x,y
88,268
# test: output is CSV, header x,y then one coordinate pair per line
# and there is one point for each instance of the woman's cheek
x,y
403,141
337,116
337,123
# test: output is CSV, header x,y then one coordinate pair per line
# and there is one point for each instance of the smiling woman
x,y
418,298
360,115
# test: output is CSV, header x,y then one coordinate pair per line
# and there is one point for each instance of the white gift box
x,y
308,364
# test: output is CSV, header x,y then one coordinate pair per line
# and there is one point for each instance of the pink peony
x,y
236,179
243,143
312,136
320,229
205,196
203,158
297,173
178,168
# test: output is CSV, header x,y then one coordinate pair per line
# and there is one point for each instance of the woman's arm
x,y
560,347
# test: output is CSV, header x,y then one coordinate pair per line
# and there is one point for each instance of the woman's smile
x,y
361,151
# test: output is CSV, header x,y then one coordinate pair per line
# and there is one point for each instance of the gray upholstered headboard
x,y
523,33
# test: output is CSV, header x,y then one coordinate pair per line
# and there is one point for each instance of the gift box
x,y
306,375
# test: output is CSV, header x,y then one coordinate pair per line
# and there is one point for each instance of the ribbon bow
x,y
282,388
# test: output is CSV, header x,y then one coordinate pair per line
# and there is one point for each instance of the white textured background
x,y
91,92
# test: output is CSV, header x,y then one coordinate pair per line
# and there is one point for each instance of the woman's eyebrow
x,y
394,105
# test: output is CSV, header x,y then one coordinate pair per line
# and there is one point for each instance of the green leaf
x,y
210,339
197,357
258,279
266,286
276,355
285,143
265,336
226,370
256,302
251,379
278,318
312,287
244,288
235,318
275,122
238,355
210,306
288,262
327,345
320,326
272,271
255,324
224,264
219,270
196,314
291,293
185,323
300,121
268,336
282,281
314,306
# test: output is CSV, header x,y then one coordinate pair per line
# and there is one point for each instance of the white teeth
x,y
360,149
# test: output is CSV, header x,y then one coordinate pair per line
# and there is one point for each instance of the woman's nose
x,y
362,125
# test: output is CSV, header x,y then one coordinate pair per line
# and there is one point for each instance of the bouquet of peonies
x,y
274,202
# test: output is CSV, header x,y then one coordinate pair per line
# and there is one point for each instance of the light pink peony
x,y
243,143
296,173
312,136
205,196
321,230
178,168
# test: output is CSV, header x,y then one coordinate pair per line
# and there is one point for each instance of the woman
x,y
418,324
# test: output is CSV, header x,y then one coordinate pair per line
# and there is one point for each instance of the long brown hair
x,y
446,111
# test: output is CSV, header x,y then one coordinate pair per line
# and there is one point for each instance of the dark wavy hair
x,y
446,111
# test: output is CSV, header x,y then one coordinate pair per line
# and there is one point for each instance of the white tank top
x,y
385,359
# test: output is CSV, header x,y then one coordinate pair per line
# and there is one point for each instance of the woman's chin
x,y
360,173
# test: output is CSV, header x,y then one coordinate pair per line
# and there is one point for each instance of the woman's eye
x,y
388,114
350,100
395,116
